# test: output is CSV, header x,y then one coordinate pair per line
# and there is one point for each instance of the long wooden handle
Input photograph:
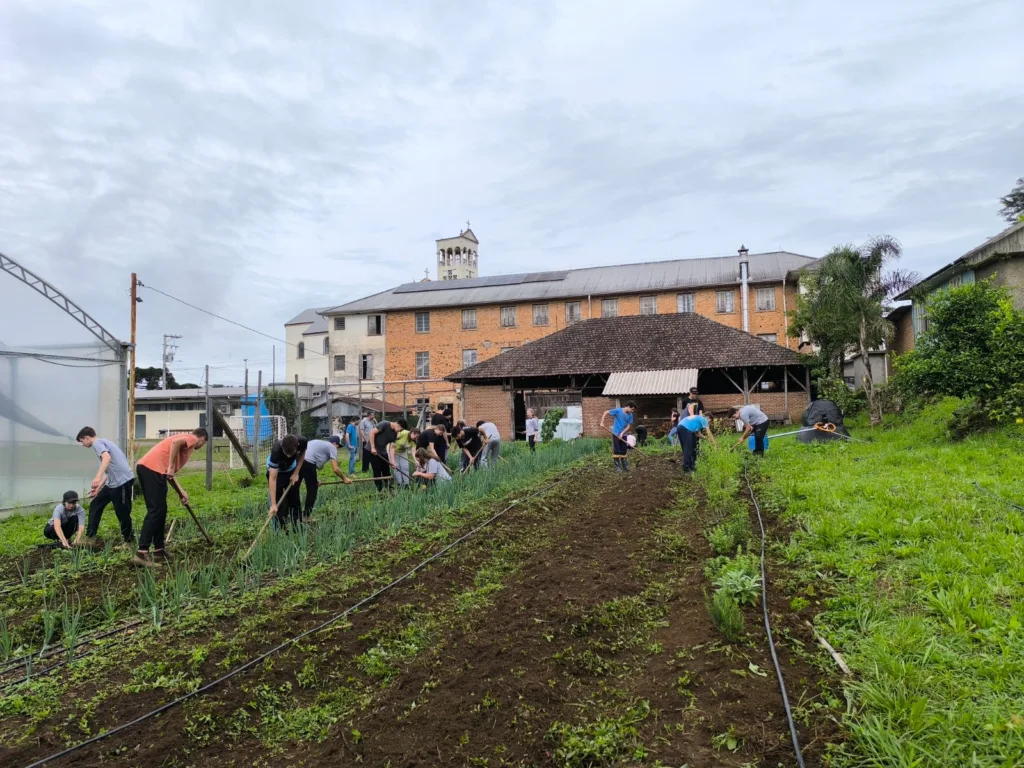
x,y
635,447
201,529
266,523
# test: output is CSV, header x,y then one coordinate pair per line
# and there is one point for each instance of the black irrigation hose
x,y
768,630
997,497
12,664
292,641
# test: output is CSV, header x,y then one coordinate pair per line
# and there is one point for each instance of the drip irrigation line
x,y
768,629
19,661
301,636
997,497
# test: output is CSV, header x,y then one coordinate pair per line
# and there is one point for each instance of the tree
x,y
1013,203
974,348
846,301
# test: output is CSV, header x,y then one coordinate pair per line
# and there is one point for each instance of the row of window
x,y
725,302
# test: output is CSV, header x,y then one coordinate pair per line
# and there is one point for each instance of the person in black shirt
x,y
469,440
441,419
694,406
382,450
432,440
283,471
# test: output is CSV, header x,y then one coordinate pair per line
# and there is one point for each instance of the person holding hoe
x,y
623,421
284,471
470,442
690,431
318,453
432,440
113,484
68,520
429,470
382,449
156,470
493,450
753,421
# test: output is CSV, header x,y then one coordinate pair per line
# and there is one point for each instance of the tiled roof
x,y
634,343
620,279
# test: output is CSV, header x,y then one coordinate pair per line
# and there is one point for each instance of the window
x,y
506,349
422,322
773,338
648,305
686,302
955,281
468,357
765,299
508,317
850,381
469,319
540,314
327,347
366,367
609,307
573,312
339,323
422,365
300,353
725,301
374,325
339,362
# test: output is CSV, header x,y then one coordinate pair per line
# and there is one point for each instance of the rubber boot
x,y
625,465
618,466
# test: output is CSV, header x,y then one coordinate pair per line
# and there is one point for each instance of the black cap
x,y
71,497
334,439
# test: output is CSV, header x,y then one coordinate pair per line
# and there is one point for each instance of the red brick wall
x,y
772,403
593,407
489,403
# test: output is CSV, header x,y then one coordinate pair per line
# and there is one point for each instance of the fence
x,y
271,428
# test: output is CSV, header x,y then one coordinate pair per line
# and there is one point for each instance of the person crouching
x,y
68,520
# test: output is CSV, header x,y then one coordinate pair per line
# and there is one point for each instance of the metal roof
x,y
317,326
578,283
307,316
676,381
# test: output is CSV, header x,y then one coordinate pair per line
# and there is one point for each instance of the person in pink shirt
x,y
155,471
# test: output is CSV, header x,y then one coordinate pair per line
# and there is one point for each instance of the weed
x,y
600,742
6,639
742,587
726,615
727,740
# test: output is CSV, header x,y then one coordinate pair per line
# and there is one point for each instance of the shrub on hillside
x,y
850,401
973,349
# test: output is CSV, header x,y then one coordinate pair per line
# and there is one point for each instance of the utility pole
x,y
131,376
167,356
209,429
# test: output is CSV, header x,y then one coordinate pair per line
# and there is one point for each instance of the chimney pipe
x,y
744,278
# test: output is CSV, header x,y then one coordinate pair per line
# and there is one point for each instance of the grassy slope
x,y
923,574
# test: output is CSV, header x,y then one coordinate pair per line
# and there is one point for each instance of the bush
x,y
850,401
967,419
726,615
731,534
973,349
550,424
742,587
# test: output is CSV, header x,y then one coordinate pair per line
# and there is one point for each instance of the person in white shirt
x,y
532,429
429,470
492,450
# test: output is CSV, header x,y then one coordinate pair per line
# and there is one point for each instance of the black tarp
x,y
822,412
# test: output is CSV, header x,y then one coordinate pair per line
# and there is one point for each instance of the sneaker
x,y
162,556
145,560
125,545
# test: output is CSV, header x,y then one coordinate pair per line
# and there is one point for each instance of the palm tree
x,y
852,285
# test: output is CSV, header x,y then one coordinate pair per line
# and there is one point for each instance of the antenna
x,y
168,355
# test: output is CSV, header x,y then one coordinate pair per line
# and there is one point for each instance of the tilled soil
x,y
573,632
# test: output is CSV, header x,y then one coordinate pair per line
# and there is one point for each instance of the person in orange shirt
x,y
155,471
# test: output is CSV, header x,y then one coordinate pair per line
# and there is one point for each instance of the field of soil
x,y
572,632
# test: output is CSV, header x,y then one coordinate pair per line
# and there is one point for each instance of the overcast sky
x,y
257,158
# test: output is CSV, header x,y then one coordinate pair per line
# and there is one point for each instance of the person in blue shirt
x,y
623,421
690,431
352,443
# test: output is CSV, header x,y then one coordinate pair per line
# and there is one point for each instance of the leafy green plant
x,y
550,424
743,587
600,742
6,639
732,534
726,614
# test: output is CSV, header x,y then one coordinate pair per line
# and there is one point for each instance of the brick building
x,y
653,360
437,328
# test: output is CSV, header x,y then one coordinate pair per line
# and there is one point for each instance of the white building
x,y
307,352
357,344
160,412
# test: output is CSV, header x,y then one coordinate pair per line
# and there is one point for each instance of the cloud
x,y
260,158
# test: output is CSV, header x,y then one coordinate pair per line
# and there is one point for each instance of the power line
x,y
226,320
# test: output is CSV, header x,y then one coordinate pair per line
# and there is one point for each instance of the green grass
x,y
922,575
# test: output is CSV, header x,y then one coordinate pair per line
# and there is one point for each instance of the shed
x,y
650,359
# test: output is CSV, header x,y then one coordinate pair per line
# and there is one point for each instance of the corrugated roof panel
x,y
594,281
672,382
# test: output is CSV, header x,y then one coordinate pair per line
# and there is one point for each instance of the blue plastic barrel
x,y
750,442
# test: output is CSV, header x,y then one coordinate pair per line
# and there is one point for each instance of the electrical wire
x,y
768,629
997,497
294,640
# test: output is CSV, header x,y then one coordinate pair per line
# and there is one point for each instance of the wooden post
x,y
256,419
131,376
328,404
298,408
807,383
405,405
209,429
230,434
785,391
512,409
746,388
